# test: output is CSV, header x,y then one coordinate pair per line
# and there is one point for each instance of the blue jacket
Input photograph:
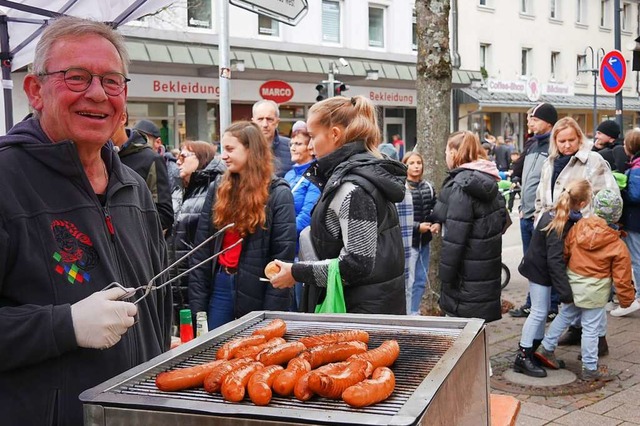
x,y
282,154
305,195
631,196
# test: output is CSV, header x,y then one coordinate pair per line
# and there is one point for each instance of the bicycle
x,y
505,276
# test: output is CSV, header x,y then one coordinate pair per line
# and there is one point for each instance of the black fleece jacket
x,y
56,248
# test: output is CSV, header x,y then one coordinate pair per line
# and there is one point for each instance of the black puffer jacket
x,y
187,205
424,200
615,155
276,241
379,290
474,214
543,263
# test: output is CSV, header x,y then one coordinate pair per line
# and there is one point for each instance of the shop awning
x,y
483,97
153,51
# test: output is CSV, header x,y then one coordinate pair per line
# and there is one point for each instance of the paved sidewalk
x,y
617,403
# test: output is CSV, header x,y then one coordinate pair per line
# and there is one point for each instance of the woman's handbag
x,y
334,301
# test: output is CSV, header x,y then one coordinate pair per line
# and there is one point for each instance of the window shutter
x,y
331,21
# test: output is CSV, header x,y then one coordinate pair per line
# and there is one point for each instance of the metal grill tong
x,y
149,287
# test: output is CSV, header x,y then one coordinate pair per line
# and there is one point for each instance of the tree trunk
x,y
433,113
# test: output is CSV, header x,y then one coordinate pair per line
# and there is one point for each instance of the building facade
x,y
508,56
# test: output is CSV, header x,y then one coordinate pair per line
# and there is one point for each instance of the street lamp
x,y
596,58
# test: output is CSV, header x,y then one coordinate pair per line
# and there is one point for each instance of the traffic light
x,y
339,88
323,90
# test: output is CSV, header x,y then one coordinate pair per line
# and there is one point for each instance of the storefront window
x,y
161,113
289,114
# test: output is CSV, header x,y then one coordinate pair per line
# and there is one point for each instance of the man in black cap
x,y
608,144
541,120
136,152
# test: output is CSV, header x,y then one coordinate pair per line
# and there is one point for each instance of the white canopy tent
x,y
22,23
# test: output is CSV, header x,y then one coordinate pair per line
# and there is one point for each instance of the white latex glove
x,y
99,321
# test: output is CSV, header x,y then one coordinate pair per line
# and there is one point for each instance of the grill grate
x,y
420,349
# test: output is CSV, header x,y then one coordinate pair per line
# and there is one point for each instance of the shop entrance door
x,y
394,126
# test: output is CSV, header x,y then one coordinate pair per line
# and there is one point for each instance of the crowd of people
x,y
96,209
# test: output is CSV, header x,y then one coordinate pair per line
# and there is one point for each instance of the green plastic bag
x,y
334,301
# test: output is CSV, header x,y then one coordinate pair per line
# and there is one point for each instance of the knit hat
x,y
388,150
608,205
609,128
147,127
545,112
299,126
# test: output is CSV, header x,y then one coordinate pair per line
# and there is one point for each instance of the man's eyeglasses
x,y
79,80
184,155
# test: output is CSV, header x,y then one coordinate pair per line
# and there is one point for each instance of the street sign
x,y
613,71
289,12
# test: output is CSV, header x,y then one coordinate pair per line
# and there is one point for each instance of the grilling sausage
x,y
185,378
229,349
252,351
276,328
301,389
214,380
285,382
367,392
333,352
343,336
332,384
259,386
280,354
382,356
234,385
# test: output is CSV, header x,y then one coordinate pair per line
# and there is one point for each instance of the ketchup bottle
x,y
186,325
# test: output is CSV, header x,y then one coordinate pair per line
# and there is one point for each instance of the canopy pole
x,y
224,67
7,84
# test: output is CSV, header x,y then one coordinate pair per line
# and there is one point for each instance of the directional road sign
x,y
613,71
288,11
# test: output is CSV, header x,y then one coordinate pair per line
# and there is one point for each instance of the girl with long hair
x,y
473,215
260,206
355,220
423,195
544,266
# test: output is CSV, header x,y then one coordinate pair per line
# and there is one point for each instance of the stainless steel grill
x,y
429,349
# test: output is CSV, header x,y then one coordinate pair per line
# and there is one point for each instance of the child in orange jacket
x,y
596,258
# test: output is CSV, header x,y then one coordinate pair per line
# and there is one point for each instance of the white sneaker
x,y
620,312
610,306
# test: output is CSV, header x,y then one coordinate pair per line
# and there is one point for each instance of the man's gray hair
x,y
268,102
72,27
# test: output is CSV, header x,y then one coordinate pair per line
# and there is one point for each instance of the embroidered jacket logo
x,y
76,255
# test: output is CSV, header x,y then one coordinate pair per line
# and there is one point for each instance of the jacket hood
x,y
388,176
60,156
485,166
475,182
593,233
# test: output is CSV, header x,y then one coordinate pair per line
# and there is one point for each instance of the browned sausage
x,y
333,352
286,381
371,391
331,385
229,349
213,381
382,356
234,385
343,336
259,386
276,328
185,378
252,351
280,354
301,389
